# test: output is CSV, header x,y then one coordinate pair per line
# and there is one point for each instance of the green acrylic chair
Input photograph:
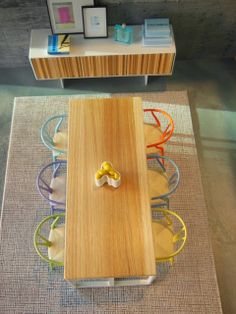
x,y
49,239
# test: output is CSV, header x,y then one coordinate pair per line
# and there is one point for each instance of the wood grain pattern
x,y
108,231
103,66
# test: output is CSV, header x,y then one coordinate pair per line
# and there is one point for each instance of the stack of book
x,y
156,32
59,44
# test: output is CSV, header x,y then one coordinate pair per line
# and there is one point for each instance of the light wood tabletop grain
x,y
108,230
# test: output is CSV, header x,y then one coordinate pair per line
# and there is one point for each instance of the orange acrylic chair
x,y
158,129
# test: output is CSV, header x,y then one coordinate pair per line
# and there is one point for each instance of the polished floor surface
x,y
211,86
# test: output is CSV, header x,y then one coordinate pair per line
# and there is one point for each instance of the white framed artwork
x,y
95,21
66,15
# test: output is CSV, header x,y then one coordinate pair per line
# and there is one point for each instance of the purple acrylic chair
x,y
51,184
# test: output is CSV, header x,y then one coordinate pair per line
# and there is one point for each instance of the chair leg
x,y
163,204
51,266
170,261
161,149
54,157
52,209
167,203
162,153
55,210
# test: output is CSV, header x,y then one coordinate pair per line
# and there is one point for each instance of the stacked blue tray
x,y
156,32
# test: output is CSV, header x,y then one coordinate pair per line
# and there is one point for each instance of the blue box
x,y
58,44
156,27
156,41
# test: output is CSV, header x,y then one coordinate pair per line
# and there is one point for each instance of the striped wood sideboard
x,y
99,58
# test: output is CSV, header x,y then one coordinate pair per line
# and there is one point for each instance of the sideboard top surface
x,y
81,47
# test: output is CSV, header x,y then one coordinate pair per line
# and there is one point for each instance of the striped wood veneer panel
x,y
103,66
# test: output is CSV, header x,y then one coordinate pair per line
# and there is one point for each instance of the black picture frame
x,y
95,22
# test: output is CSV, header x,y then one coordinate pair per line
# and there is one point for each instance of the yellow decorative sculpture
x,y
107,174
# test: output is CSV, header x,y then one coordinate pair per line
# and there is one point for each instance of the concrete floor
x,y
211,86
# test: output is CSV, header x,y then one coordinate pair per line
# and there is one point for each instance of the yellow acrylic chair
x,y
49,239
169,234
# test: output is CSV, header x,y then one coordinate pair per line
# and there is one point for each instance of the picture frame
x,y
95,21
66,15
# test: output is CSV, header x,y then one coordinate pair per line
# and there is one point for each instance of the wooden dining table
x,y
108,230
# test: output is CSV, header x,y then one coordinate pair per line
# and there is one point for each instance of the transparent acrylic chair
x,y
158,129
49,239
54,136
163,179
51,184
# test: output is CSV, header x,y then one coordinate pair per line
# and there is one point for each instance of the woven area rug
x,y
27,283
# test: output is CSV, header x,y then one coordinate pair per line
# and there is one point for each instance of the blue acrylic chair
x,y
163,179
54,136
51,184
49,239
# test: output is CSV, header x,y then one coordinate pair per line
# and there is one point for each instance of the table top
x,y
81,47
108,230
